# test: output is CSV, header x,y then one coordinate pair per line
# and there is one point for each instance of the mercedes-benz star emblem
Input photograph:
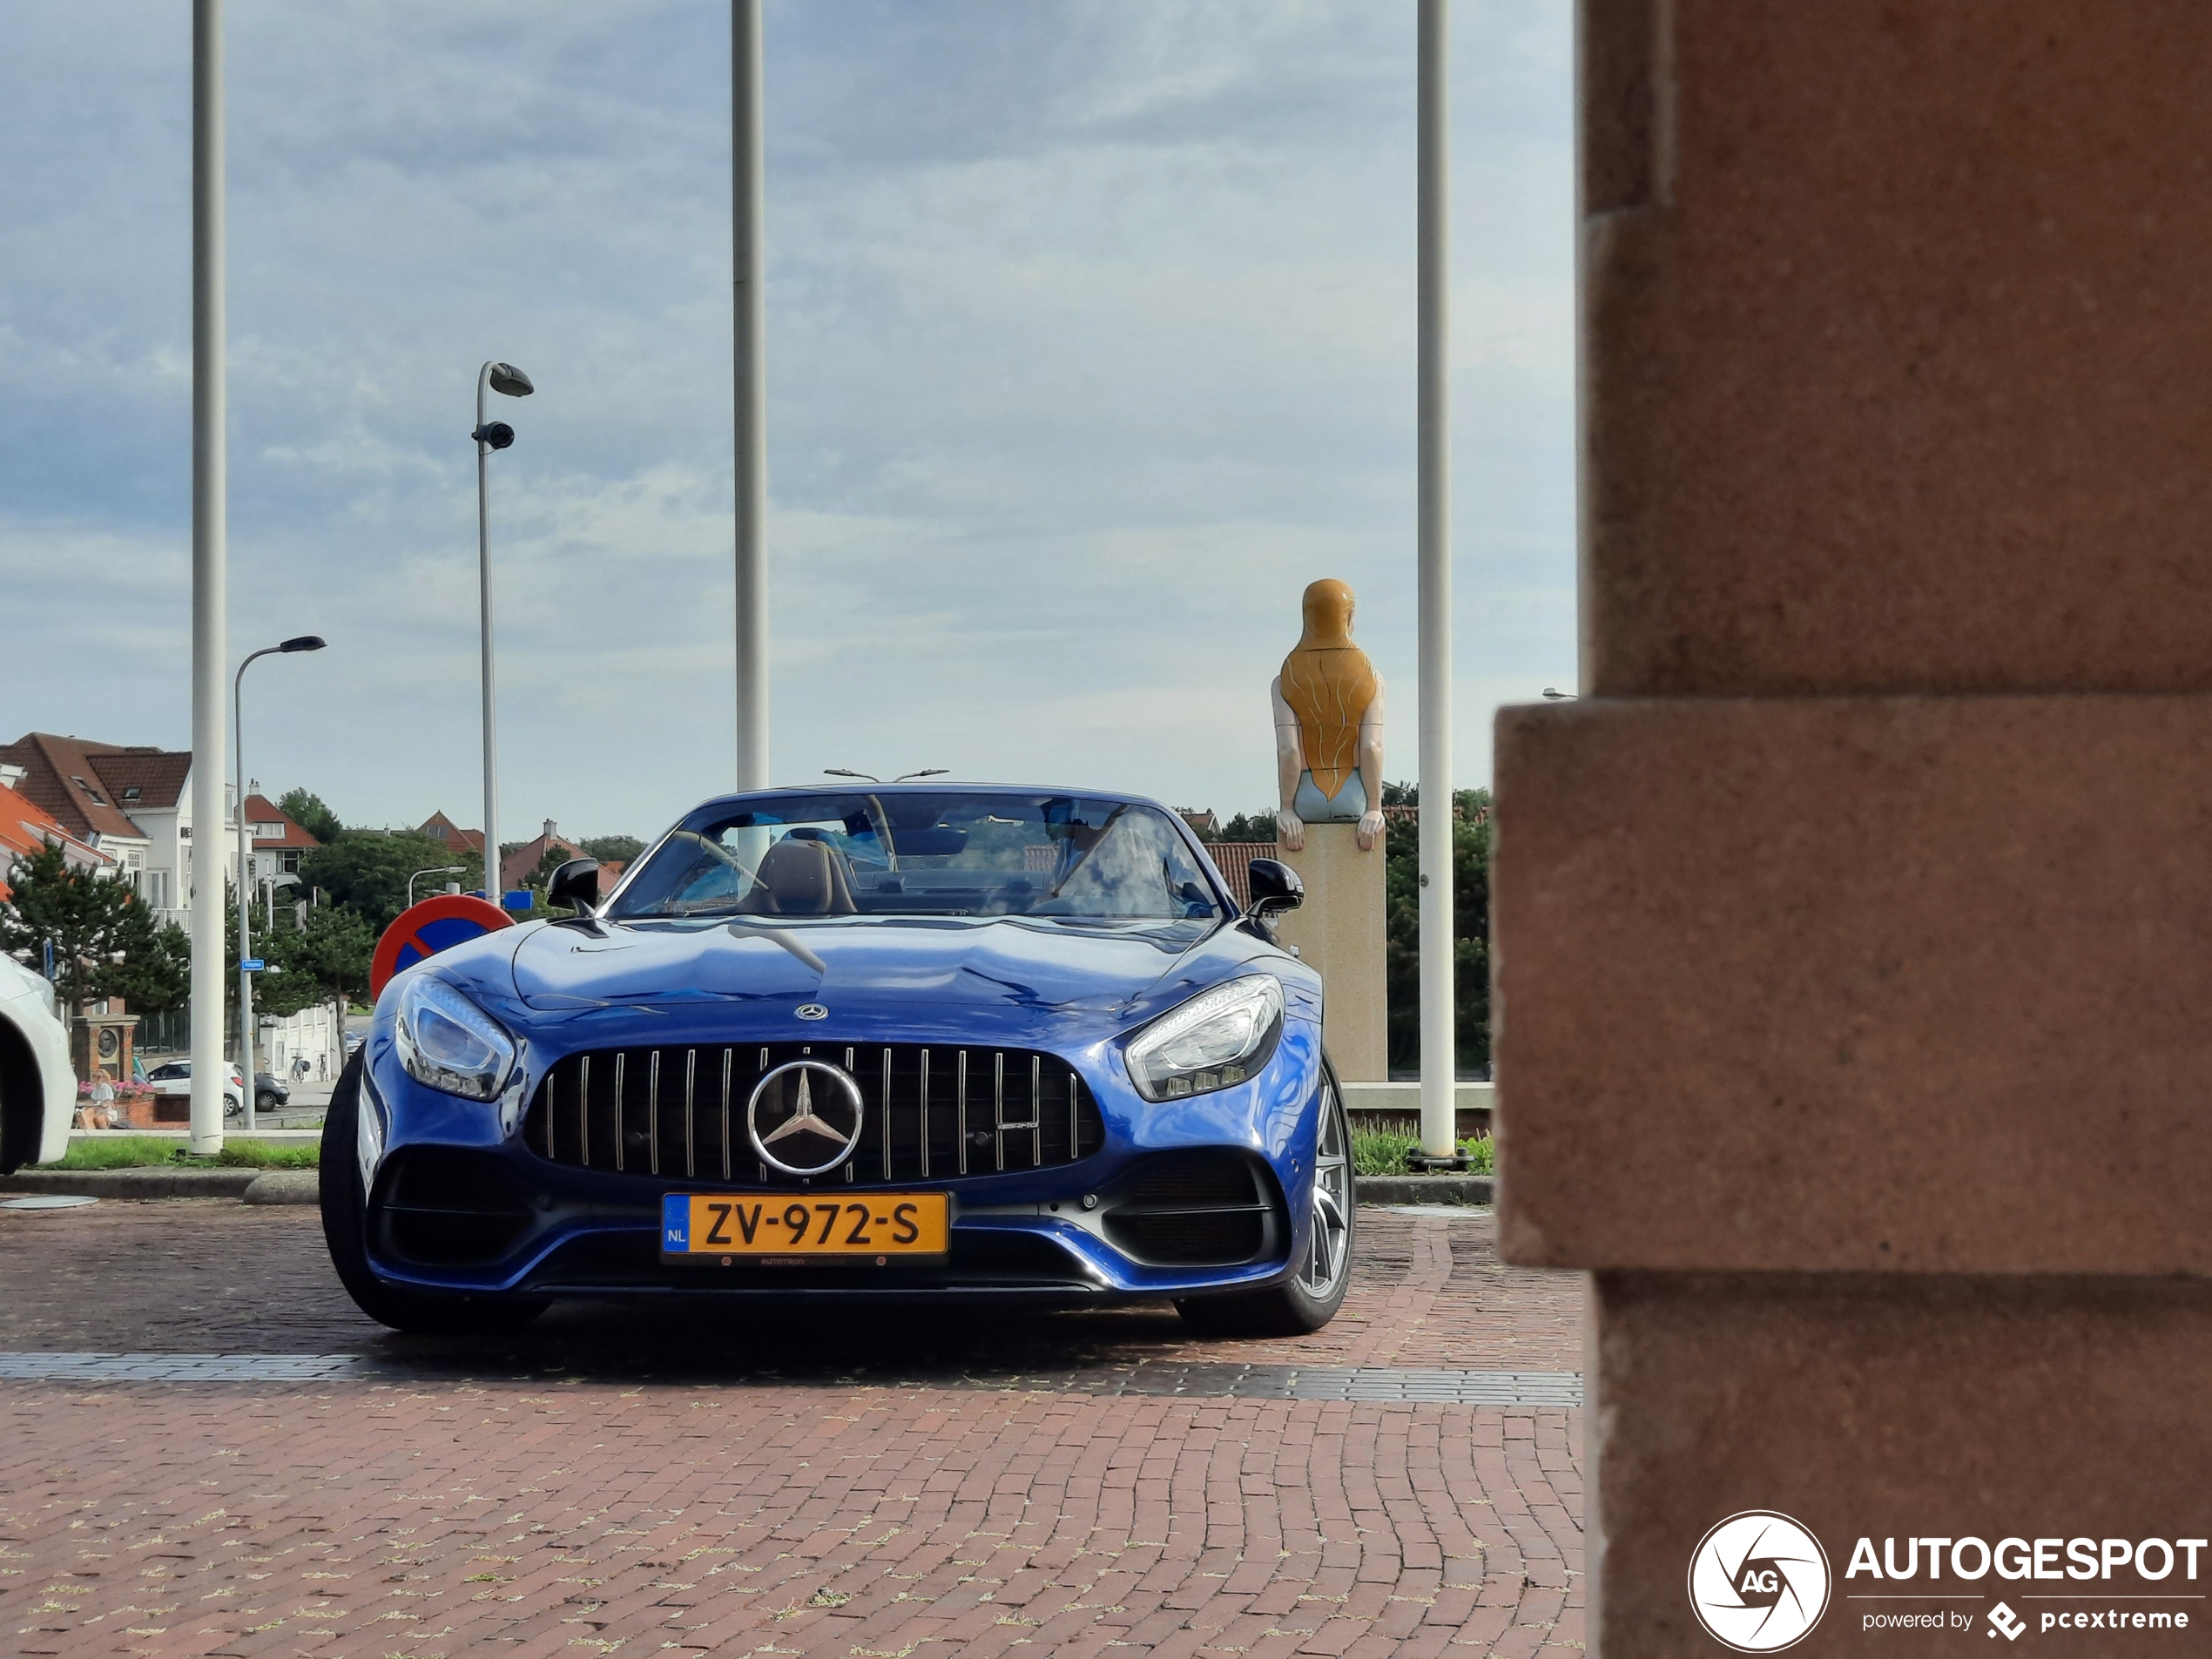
x,y
810,1112
812,1011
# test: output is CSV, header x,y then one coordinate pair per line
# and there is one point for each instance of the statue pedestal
x,y
1339,932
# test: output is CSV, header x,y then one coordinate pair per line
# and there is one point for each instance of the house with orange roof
x,y
518,867
26,827
461,843
279,843
133,802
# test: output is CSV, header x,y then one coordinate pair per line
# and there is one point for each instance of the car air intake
x,y
439,1207
1204,1208
930,1113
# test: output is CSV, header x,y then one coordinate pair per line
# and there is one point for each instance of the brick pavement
x,y
215,1276
862,1520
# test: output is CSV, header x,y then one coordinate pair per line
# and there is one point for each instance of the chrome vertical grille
x,y
928,1116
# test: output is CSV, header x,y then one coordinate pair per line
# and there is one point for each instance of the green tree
x,y
307,811
277,989
333,954
1245,827
610,849
366,871
1471,831
155,972
105,940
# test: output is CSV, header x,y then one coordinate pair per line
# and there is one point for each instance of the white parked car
x,y
38,1088
174,1079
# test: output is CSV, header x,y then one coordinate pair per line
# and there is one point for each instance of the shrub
x,y
1383,1150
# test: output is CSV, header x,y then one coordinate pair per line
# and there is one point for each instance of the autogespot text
x,y
2152,1559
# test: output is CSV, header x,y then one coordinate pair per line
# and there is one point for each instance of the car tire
x,y
1309,1298
344,1231
265,1102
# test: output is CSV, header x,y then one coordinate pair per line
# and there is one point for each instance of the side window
x,y
1138,867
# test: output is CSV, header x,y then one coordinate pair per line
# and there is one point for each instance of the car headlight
x,y
447,1042
1218,1038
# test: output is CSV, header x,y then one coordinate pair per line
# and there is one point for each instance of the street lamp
x,y
509,382
435,869
302,642
847,771
268,886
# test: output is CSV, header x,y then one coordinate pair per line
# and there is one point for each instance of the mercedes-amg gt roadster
x,y
899,1041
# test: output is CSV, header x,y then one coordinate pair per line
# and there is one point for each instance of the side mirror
x,y
576,885
1275,887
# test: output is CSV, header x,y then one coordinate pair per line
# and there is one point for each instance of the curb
x,y
284,1186
135,1183
1426,1188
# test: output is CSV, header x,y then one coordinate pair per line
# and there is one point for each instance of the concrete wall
x,y
1849,932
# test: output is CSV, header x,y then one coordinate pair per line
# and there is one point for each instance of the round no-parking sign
x,y
438,923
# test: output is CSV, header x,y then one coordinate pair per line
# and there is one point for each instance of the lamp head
x,y
506,378
304,642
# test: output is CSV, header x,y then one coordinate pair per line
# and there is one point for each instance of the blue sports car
x,y
973,1041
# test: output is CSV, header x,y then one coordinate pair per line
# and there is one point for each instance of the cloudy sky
x,y
1090,336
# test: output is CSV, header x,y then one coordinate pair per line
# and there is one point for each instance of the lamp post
x,y
210,561
509,381
435,869
299,643
747,189
269,886
1431,190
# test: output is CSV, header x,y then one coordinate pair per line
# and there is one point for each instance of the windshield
x,y
902,853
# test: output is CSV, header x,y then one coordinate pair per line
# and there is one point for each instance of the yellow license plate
x,y
855,1223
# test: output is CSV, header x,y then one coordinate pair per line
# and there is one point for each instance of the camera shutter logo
x,y
1758,1582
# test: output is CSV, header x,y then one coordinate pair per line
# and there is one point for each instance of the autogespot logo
x,y
1758,1582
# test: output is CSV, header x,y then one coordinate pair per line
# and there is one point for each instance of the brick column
x,y
1854,932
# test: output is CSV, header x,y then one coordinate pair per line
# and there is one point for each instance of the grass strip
x,y
154,1151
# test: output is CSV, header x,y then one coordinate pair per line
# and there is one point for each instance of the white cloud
x,y
1090,342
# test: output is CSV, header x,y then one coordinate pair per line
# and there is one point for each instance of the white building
x,y
132,802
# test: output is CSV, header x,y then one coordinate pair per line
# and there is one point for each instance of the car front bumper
x,y
459,1201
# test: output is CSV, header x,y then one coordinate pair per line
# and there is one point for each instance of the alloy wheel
x,y
1326,1252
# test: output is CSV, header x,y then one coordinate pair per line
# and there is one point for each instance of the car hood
x,y
878,965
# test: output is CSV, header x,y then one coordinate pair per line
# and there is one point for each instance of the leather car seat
x,y
800,878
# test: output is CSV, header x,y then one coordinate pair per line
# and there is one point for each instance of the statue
x,y
1328,726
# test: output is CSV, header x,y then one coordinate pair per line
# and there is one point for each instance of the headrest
x,y
805,879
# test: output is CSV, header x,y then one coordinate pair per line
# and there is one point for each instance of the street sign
x,y
252,965
421,931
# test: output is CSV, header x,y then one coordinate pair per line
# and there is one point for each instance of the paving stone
x,y
320,1486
